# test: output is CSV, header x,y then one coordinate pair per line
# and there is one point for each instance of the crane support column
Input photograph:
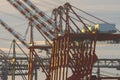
x,y
30,65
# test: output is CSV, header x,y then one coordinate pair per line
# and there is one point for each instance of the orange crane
x,y
16,35
81,48
40,25
35,19
72,51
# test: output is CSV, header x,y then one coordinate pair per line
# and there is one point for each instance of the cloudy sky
x,y
108,10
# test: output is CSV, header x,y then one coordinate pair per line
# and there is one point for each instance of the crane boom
x,y
41,26
74,48
14,33
40,13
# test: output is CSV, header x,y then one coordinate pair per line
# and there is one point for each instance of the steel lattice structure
x,y
69,47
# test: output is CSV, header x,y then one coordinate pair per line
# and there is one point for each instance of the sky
x,y
108,10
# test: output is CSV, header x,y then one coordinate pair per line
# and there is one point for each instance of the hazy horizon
x,y
108,10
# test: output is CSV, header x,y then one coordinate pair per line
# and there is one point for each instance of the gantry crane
x,y
81,46
69,47
4,63
16,35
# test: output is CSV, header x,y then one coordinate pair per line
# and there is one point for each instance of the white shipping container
x,y
105,28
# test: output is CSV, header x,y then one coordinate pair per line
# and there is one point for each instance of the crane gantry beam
x,y
68,47
14,33
40,25
41,13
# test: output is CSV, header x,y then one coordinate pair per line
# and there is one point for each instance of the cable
x,y
22,50
3,53
82,18
26,32
90,14
4,39
11,15
77,20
